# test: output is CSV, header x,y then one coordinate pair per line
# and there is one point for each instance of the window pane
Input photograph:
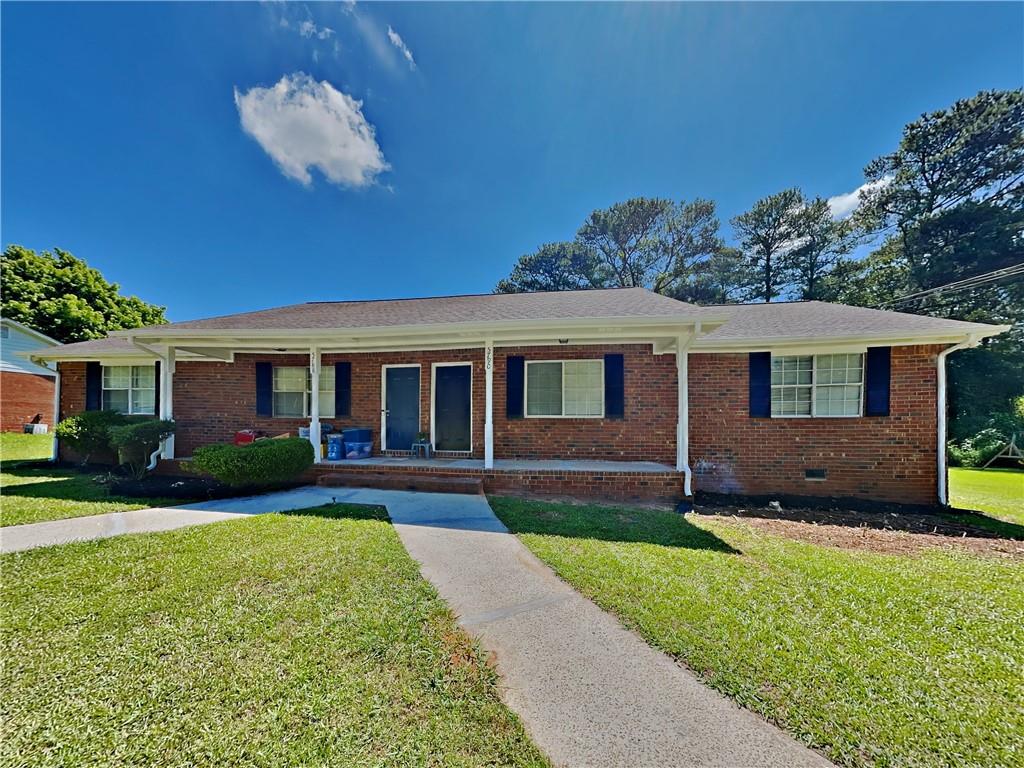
x,y
115,400
290,404
290,379
143,401
116,376
544,389
791,401
143,376
584,388
327,392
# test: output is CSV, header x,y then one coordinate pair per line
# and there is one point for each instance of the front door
x,y
401,407
452,386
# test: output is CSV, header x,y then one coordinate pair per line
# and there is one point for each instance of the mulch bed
x,y
889,533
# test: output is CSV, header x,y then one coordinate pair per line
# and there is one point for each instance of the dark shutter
x,y
877,370
760,385
515,370
342,389
93,386
264,389
156,389
614,387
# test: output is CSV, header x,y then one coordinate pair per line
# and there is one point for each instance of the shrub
x,y
88,433
261,463
976,451
136,440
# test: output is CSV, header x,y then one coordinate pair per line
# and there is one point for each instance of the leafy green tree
x,y
767,233
821,242
949,204
722,278
565,266
61,296
648,242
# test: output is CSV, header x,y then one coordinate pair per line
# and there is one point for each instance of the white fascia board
x,y
172,335
794,344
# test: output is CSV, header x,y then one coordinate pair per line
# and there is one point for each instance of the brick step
x,y
397,481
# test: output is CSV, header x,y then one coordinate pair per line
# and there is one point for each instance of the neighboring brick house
x,y
622,393
26,387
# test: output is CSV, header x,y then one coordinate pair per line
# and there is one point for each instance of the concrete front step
x,y
398,481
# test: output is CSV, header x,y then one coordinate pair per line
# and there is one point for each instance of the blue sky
x,y
223,157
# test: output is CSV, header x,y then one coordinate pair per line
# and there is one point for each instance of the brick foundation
x,y
22,396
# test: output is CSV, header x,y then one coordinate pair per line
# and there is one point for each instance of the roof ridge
x,y
481,295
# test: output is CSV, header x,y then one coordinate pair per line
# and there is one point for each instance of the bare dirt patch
x,y
849,530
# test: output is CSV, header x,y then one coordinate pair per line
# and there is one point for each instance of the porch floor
x,y
507,465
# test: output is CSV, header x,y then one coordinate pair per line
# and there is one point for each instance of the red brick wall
x,y
647,433
883,458
22,396
890,459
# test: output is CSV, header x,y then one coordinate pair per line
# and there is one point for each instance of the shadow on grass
x,y
55,484
589,521
343,512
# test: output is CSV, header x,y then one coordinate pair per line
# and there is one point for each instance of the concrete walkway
x,y
590,692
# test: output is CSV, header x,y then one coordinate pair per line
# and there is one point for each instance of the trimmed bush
x,y
136,440
261,463
88,433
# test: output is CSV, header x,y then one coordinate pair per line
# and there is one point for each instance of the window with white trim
x,y
558,388
293,387
129,389
817,385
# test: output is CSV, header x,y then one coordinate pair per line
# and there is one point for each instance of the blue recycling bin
x,y
335,448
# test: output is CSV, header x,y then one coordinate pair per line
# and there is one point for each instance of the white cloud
x,y
399,43
844,205
304,124
308,29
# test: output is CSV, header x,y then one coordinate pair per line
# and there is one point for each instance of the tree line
x,y
946,204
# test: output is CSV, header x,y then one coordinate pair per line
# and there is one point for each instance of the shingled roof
x,y
816,320
725,326
441,310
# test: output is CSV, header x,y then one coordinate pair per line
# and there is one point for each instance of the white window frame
x,y
305,395
129,389
526,380
814,387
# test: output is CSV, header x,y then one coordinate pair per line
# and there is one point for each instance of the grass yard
x,y
875,659
997,492
16,446
35,495
300,639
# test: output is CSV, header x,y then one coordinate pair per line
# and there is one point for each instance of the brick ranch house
x,y
621,394
27,388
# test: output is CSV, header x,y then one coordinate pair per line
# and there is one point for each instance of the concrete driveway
x,y
590,692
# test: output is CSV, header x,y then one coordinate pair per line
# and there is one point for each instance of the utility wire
x,y
1015,270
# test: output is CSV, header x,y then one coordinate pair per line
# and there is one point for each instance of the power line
x,y
1014,270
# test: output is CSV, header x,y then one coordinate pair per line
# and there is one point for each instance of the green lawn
x,y
998,492
301,639
874,659
16,446
35,495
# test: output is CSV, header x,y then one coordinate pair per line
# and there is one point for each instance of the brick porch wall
x,y
22,396
883,458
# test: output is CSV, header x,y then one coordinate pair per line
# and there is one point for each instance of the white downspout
x,y
55,448
971,341
683,414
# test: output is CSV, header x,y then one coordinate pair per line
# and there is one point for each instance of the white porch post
x,y
683,415
489,409
314,402
167,399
